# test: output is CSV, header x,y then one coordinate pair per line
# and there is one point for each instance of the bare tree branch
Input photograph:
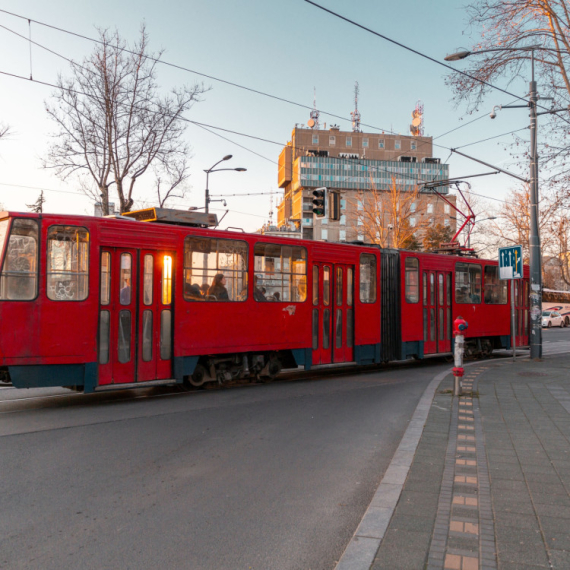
x,y
112,124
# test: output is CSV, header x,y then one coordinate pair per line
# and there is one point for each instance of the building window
x,y
343,220
397,145
381,143
343,204
342,235
430,209
348,141
413,222
359,222
364,143
413,145
332,140
360,237
324,220
324,234
413,207
315,139
446,208
360,205
446,222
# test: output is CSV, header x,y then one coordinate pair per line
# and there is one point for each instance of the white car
x,y
552,319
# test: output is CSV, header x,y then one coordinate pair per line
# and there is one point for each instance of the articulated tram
x,y
99,303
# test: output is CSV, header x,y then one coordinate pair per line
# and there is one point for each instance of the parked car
x,y
552,319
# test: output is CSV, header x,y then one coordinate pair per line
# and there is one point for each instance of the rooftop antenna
x,y
271,209
313,122
417,126
355,114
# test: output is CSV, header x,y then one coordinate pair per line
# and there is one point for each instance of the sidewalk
x,y
488,486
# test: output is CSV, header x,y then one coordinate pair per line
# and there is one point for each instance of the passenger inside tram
x,y
218,289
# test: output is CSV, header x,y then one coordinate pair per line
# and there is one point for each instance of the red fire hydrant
x,y
459,325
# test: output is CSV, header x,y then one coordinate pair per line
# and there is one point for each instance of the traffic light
x,y
334,205
320,202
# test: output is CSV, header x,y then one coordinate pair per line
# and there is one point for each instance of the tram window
x,y
165,335
448,287
147,279
432,289
338,286
147,336
412,280
104,324
432,324
349,281
495,288
19,278
125,279
326,285
315,329
67,263
467,283
367,278
105,278
425,283
326,327
349,328
167,280
4,225
338,325
440,289
124,345
425,325
281,272
315,284
205,259
441,325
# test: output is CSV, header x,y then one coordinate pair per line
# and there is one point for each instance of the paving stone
x,y
521,554
560,559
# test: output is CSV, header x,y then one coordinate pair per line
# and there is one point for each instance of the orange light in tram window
x,y
167,280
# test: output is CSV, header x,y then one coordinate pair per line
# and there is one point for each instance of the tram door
x,y
437,311
135,316
333,313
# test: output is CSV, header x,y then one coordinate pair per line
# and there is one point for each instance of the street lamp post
x,y
534,237
214,169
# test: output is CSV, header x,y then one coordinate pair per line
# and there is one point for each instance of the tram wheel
x,y
198,379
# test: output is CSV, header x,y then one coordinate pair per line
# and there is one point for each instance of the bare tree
x,y
384,217
38,205
170,181
5,131
112,124
517,24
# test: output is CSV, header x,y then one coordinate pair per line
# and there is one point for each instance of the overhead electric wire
x,y
233,84
491,138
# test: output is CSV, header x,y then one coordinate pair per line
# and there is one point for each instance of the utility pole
x,y
534,238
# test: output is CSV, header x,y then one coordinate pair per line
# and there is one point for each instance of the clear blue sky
x,y
282,48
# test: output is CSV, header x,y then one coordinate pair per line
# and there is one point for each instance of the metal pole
x,y
513,322
207,202
534,238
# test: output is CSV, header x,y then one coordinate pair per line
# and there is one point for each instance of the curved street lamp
x,y
534,237
214,169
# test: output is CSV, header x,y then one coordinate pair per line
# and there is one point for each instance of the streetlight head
x,y
457,55
240,169
493,115
227,157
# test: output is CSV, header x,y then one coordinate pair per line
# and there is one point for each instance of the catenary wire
x,y
233,84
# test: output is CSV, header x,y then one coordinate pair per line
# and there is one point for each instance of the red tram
x,y
99,303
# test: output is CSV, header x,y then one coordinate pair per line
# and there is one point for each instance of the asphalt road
x,y
255,477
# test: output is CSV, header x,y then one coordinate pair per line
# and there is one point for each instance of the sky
x,y
286,49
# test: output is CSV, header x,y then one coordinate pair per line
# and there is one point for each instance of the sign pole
x,y
513,320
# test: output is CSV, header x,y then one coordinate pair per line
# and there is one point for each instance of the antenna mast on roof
x,y
313,122
355,114
271,209
417,126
